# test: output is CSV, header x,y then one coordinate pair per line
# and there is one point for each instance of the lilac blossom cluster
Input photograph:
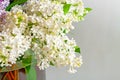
x,y
3,5
40,26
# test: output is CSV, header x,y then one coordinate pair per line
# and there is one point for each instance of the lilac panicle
x,y
4,4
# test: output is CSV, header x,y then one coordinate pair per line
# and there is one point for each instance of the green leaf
x,y
65,41
29,61
28,58
88,9
30,73
15,2
51,63
65,31
66,8
77,49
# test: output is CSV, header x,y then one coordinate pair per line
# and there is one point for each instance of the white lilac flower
x,y
13,43
42,26
13,46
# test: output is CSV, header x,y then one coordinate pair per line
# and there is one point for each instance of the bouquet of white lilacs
x,y
36,29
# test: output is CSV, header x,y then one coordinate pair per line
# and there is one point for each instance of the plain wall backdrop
x,y
99,38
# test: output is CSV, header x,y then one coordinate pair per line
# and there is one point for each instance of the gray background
x,y
99,39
